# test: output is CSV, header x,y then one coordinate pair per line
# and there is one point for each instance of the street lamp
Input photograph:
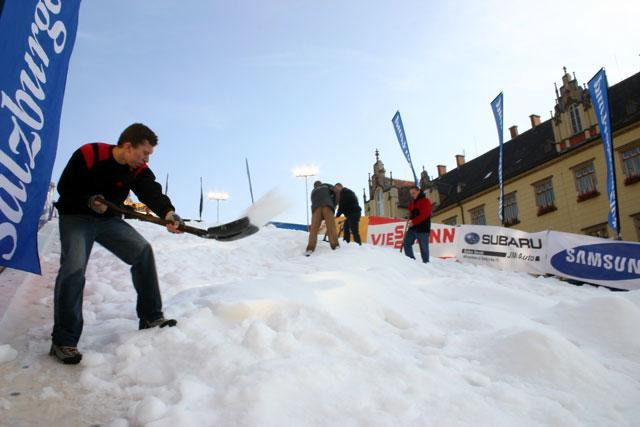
x,y
306,171
218,196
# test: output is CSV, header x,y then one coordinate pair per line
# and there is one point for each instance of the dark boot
x,y
161,322
66,354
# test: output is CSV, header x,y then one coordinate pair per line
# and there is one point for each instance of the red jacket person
x,y
420,224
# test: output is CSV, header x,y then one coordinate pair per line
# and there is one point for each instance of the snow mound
x,y
357,336
7,353
541,356
605,322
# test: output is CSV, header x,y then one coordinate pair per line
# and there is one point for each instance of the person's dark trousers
x,y
77,235
423,240
352,225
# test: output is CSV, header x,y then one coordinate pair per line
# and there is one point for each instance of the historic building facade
x,y
387,196
554,173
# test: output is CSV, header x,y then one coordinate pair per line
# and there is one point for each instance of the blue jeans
x,y
423,240
77,235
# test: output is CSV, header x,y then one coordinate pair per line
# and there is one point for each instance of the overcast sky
x,y
286,83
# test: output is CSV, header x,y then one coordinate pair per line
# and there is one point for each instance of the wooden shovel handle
x,y
151,218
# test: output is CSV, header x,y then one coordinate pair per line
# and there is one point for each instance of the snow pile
x,y
357,336
7,353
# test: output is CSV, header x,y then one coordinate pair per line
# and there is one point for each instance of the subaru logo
x,y
472,238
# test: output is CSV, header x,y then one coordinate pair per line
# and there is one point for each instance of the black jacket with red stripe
x,y
92,170
420,214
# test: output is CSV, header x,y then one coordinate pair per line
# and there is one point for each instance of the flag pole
x,y
598,91
498,113
201,199
246,161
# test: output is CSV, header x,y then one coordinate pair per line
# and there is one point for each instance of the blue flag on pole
x,y
498,114
598,88
36,40
402,139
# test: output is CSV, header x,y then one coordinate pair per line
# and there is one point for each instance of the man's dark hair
x,y
137,134
415,187
317,184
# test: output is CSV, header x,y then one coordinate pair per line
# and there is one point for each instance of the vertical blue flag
x,y
36,40
599,97
402,139
498,114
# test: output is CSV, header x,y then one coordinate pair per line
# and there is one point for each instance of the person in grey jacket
x,y
323,204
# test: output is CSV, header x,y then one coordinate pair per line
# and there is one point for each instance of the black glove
x,y
96,206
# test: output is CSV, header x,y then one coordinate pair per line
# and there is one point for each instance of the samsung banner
x,y
36,40
590,259
600,99
498,114
402,139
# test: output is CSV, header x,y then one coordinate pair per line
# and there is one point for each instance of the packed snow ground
x,y
360,336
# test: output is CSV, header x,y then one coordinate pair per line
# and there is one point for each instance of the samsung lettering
x,y
607,261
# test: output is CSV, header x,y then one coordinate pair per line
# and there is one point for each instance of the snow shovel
x,y
406,226
326,235
234,230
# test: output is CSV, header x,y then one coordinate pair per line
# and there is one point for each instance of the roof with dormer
x,y
530,149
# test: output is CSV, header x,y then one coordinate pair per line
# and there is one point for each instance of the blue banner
x,y
36,40
402,139
598,89
498,114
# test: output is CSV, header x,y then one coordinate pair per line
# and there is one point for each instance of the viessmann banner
x,y
389,232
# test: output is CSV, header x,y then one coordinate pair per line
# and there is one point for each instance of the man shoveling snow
x,y
95,172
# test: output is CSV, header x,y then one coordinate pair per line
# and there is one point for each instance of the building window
x,y
510,209
451,221
600,230
631,165
545,199
576,123
380,202
586,181
477,216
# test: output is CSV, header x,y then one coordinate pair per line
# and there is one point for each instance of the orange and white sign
x,y
389,232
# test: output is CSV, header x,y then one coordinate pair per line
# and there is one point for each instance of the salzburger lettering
x,y
502,240
27,117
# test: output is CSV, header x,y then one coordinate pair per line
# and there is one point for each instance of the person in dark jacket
x,y
323,204
348,205
420,224
109,172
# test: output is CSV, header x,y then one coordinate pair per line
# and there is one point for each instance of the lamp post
x,y
306,171
218,196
